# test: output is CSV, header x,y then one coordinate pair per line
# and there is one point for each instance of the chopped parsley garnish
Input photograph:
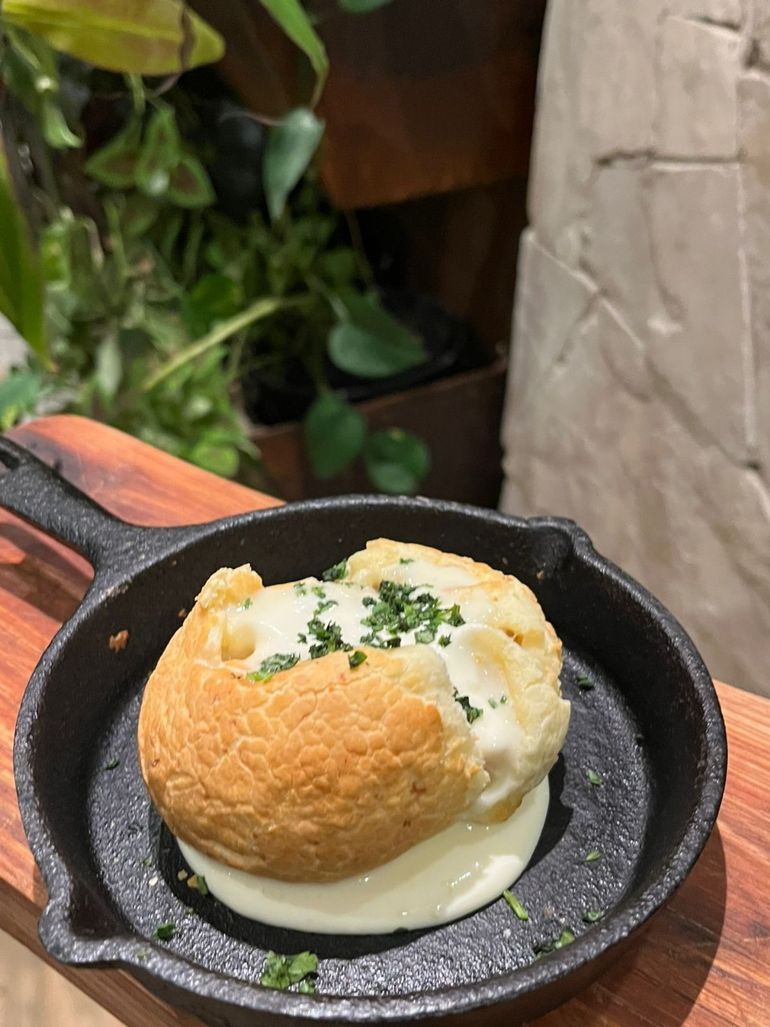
x,y
356,659
515,905
198,882
592,915
112,764
585,683
565,938
282,972
317,590
492,703
444,640
503,700
302,638
147,861
323,606
247,602
328,638
272,665
339,570
400,609
406,559
593,855
164,932
594,778
471,712
300,588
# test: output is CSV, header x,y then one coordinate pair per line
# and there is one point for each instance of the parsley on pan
x,y
565,938
593,855
592,915
282,972
515,905
164,932
594,778
585,683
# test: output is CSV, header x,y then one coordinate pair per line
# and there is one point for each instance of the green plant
x,y
157,303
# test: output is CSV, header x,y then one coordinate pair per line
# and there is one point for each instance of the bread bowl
x,y
327,765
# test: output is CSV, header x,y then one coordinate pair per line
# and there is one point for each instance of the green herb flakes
x,y
593,855
492,703
515,905
471,712
444,640
594,778
339,570
164,932
300,588
400,609
147,861
247,603
585,683
317,590
302,638
328,638
406,559
356,659
565,938
323,606
112,764
282,972
198,883
272,665
503,700
592,915
424,637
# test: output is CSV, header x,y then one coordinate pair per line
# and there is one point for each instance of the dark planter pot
x,y
449,341
457,416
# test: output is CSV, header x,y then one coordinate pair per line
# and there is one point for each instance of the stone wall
x,y
639,392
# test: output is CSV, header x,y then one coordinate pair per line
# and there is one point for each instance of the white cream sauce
x,y
445,877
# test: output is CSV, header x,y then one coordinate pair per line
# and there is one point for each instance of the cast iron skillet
x,y
650,727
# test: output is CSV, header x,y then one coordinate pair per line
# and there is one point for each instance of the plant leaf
x,y
53,124
159,154
396,461
288,151
334,435
212,298
142,37
258,310
293,19
108,367
21,272
115,163
361,6
369,342
189,184
19,391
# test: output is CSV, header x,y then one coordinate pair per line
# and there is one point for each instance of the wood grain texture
x,y
702,962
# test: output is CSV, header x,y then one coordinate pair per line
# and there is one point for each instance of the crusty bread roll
x,y
328,769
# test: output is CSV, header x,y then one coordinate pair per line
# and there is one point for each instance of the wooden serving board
x,y
702,962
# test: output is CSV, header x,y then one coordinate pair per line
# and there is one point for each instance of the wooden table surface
x,y
704,961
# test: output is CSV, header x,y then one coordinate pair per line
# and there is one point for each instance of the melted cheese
x,y
445,877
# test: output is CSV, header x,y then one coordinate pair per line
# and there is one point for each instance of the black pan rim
x,y
121,949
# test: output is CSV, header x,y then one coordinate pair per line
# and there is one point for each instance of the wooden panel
x,y
702,962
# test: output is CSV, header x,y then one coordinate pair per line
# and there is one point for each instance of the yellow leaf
x,y
141,37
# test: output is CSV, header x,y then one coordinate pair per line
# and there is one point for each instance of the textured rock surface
x,y
639,395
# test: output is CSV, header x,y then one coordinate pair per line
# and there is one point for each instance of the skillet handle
x,y
37,493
